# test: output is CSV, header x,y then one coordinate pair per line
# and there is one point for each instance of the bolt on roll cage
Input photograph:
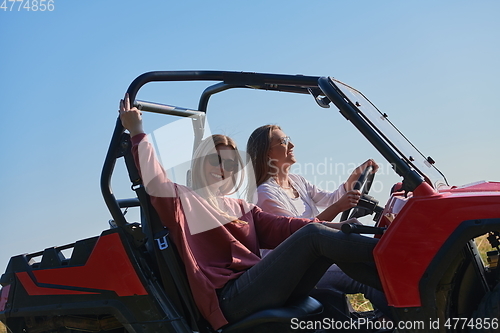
x,y
321,88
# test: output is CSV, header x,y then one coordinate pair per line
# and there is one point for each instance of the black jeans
x,y
293,269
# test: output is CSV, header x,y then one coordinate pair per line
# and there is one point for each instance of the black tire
x,y
488,311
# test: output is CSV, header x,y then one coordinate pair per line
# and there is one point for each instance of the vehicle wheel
x,y
488,311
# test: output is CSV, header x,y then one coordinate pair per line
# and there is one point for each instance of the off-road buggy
x,y
130,279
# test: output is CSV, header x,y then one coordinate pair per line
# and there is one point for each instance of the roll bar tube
x,y
289,83
166,109
229,80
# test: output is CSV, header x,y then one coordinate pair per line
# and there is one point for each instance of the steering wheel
x,y
364,183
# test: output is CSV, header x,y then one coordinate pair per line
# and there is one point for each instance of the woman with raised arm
x,y
218,238
283,193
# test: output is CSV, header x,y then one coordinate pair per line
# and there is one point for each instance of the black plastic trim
x,y
466,231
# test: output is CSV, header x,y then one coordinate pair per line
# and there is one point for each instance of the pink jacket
x,y
213,249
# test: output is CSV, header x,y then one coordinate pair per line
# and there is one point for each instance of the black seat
x,y
270,319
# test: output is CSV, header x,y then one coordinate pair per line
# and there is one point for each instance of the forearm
x,y
329,213
136,130
152,173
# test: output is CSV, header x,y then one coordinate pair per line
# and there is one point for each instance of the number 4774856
x,y
28,5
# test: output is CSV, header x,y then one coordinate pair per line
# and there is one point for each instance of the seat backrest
x,y
172,270
163,251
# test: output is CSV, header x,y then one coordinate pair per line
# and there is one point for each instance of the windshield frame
x,y
383,134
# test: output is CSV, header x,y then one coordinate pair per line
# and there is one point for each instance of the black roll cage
x,y
314,85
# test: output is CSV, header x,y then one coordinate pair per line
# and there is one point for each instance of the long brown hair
x,y
258,146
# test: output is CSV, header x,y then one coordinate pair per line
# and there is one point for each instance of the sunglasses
x,y
227,164
284,141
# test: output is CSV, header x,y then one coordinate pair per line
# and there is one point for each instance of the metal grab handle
x,y
166,109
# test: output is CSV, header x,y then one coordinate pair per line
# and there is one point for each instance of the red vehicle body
x,y
440,214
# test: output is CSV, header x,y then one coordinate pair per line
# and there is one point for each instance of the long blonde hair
x,y
199,182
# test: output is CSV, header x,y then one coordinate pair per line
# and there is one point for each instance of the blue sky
x,y
431,65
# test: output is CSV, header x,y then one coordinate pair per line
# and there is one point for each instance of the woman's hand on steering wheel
x,y
356,174
361,180
349,200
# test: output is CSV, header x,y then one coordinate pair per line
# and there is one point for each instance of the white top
x,y
273,199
